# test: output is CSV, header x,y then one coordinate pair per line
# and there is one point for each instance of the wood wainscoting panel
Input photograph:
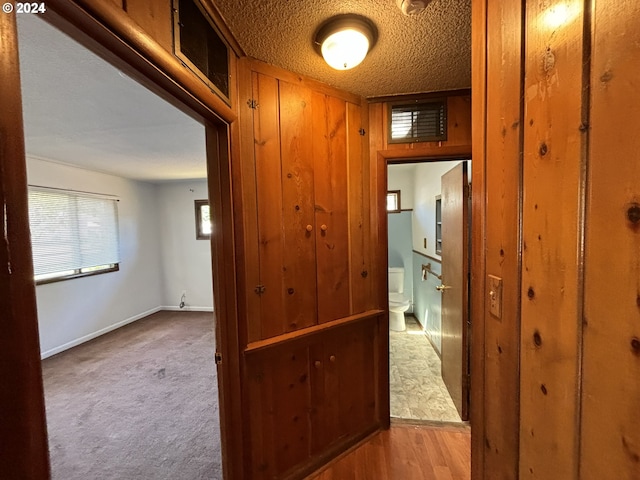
x,y
503,254
611,359
309,396
551,236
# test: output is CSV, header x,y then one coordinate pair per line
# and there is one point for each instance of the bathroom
x,y
415,267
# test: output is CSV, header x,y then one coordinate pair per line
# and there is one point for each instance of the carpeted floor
x,y
138,403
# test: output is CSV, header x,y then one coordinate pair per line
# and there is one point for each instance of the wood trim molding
x,y
430,150
23,436
421,96
300,334
113,28
478,235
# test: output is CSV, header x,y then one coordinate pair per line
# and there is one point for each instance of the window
x,y
200,46
203,220
73,234
418,122
393,201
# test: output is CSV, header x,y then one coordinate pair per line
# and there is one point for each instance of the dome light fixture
x,y
344,40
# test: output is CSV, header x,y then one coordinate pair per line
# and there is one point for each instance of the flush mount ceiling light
x,y
345,40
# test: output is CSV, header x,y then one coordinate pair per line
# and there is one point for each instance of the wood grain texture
x,y
331,204
503,253
358,198
23,436
246,203
405,452
163,67
294,78
551,235
611,359
266,131
458,127
223,266
478,235
155,18
455,257
298,173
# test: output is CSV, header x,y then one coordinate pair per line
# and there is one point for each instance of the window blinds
x,y
71,231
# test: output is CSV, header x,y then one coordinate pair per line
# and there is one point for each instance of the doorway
x,y
151,210
422,386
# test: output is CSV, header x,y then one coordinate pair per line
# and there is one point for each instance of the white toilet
x,y
398,303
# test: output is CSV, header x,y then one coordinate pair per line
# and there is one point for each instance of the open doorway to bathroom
x,y
422,385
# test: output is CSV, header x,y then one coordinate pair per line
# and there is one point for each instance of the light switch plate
x,y
494,291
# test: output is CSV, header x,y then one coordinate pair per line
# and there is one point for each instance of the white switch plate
x,y
494,289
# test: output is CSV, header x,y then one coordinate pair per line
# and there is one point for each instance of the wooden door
x,y
454,288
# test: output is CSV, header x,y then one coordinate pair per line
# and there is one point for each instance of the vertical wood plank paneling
x,y
266,121
378,177
550,278
325,406
299,272
478,235
23,430
279,393
245,197
611,368
155,18
331,204
503,172
358,180
458,120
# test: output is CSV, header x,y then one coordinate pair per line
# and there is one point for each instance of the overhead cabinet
x,y
311,263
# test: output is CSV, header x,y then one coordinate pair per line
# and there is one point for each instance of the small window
x,y
393,201
418,122
203,220
200,46
73,234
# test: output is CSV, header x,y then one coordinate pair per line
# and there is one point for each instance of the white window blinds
x,y
72,232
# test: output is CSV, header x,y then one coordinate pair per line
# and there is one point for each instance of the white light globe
x,y
345,49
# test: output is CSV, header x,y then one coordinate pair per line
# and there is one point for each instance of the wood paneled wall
x,y
458,127
558,163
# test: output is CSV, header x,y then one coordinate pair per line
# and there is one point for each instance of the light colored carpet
x,y
416,387
138,403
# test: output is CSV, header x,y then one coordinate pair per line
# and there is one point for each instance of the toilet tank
x,y
396,279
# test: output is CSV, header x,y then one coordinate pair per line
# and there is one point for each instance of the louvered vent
x,y
418,122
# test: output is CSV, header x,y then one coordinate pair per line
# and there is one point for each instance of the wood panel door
x,y
454,288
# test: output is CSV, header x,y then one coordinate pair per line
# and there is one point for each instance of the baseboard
x,y
93,335
186,308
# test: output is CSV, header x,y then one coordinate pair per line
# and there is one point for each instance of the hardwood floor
x,y
406,452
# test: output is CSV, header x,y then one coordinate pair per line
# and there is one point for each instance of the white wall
x,y
427,186
73,311
186,261
400,177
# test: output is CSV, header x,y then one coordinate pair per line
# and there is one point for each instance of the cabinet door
x,y
342,385
279,398
331,205
282,128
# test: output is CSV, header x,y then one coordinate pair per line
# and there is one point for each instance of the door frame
x,y
379,223
109,31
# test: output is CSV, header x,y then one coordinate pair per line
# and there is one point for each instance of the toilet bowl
x,y
398,303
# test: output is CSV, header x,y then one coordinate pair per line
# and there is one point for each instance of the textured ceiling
x,y
427,52
80,110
